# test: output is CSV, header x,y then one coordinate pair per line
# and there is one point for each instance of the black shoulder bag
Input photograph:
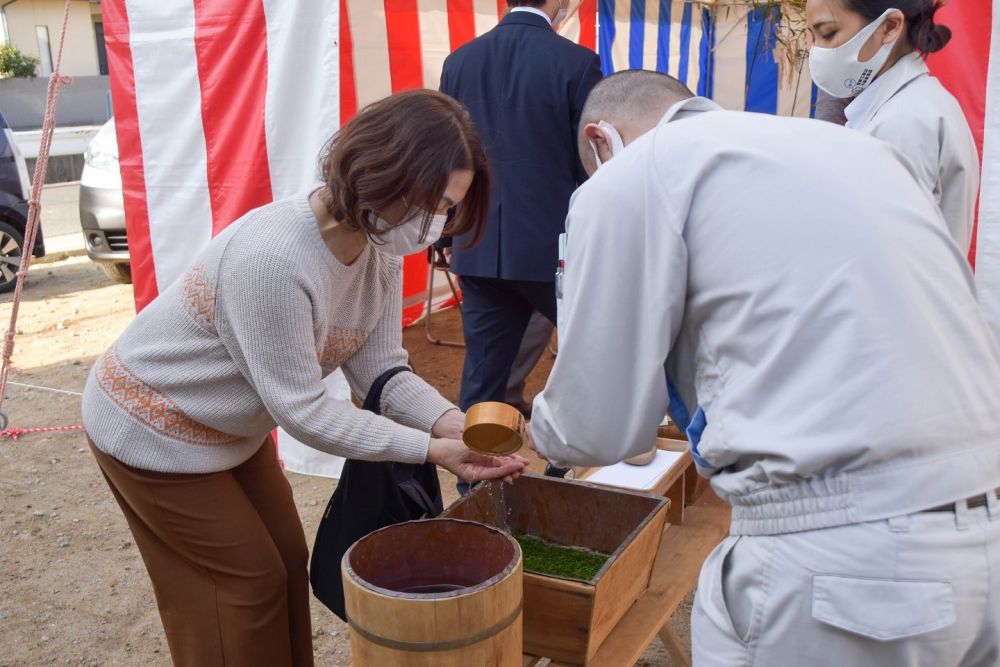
x,y
370,495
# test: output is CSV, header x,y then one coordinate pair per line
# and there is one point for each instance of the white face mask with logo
x,y
613,138
404,239
839,71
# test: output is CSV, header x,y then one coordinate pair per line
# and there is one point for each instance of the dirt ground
x,y
73,588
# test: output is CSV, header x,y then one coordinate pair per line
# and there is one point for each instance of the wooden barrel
x,y
434,593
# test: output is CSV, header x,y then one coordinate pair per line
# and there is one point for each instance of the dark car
x,y
14,188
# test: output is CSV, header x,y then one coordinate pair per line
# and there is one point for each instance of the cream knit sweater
x,y
243,341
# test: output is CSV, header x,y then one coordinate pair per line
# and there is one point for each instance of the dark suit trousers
x,y
495,313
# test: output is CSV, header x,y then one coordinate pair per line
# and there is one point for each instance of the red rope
x,y
15,433
34,205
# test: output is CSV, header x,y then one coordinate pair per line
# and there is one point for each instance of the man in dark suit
x,y
525,87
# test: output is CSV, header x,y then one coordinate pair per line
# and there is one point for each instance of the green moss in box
x,y
543,557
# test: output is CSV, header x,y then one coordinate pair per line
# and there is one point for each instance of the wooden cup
x,y
642,459
493,428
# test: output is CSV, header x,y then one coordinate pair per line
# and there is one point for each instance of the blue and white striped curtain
x,y
720,50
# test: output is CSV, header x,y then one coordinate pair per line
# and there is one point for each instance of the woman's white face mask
x,y
613,138
404,239
840,71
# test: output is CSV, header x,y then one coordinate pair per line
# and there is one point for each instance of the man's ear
x,y
599,140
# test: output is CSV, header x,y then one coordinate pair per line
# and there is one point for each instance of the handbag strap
x,y
373,401
402,473
416,492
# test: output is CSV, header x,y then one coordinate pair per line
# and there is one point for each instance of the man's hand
x,y
530,441
455,457
550,469
450,425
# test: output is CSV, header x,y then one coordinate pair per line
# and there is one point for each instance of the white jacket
x,y
911,110
806,295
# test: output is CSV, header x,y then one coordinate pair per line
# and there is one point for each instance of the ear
x,y
596,136
893,27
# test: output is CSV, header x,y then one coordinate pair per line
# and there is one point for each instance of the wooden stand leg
x,y
675,514
692,485
671,642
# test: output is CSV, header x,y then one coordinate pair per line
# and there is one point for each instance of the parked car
x,y
14,189
102,207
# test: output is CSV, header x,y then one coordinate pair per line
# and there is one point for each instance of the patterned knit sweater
x,y
243,341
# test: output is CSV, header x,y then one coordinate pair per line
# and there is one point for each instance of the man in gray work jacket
x,y
827,355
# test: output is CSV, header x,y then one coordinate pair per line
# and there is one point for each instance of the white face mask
x,y
839,71
561,15
404,238
614,140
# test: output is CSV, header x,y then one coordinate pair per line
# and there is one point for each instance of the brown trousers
x,y
227,557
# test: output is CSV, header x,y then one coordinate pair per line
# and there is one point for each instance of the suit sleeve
x,y
589,78
607,394
445,85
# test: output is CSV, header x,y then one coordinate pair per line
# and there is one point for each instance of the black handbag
x,y
370,495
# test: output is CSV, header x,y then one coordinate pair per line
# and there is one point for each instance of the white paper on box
x,y
640,478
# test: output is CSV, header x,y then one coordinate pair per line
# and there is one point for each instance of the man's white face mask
x,y
561,14
404,239
613,138
840,71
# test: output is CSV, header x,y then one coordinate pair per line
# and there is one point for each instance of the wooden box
x,y
567,620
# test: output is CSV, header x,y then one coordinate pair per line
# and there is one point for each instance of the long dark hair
x,y
405,147
924,35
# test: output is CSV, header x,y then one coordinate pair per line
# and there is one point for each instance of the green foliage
x,y
544,557
14,64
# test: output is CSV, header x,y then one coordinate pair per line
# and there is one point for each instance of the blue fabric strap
x,y
694,431
692,426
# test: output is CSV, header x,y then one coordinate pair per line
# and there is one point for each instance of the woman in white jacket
x,y
873,50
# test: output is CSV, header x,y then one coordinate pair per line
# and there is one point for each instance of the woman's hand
x,y
449,425
455,457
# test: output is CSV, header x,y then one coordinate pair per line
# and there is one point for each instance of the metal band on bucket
x,y
428,647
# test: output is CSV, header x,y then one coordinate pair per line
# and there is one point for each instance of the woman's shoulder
x,y
278,231
924,101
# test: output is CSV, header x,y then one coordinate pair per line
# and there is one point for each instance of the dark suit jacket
x,y
525,87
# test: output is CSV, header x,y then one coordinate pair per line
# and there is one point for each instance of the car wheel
x,y
11,246
118,272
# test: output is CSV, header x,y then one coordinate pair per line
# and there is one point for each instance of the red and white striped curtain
x,y
223,105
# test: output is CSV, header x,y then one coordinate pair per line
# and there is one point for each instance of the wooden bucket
x,y
434,593
494,429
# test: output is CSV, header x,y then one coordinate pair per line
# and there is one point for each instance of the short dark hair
x,y
634,89
923,34
525,3
631,92
405,147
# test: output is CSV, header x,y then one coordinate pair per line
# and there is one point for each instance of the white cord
x,y
35,386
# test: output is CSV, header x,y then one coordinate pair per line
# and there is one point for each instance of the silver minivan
x,y
102,207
